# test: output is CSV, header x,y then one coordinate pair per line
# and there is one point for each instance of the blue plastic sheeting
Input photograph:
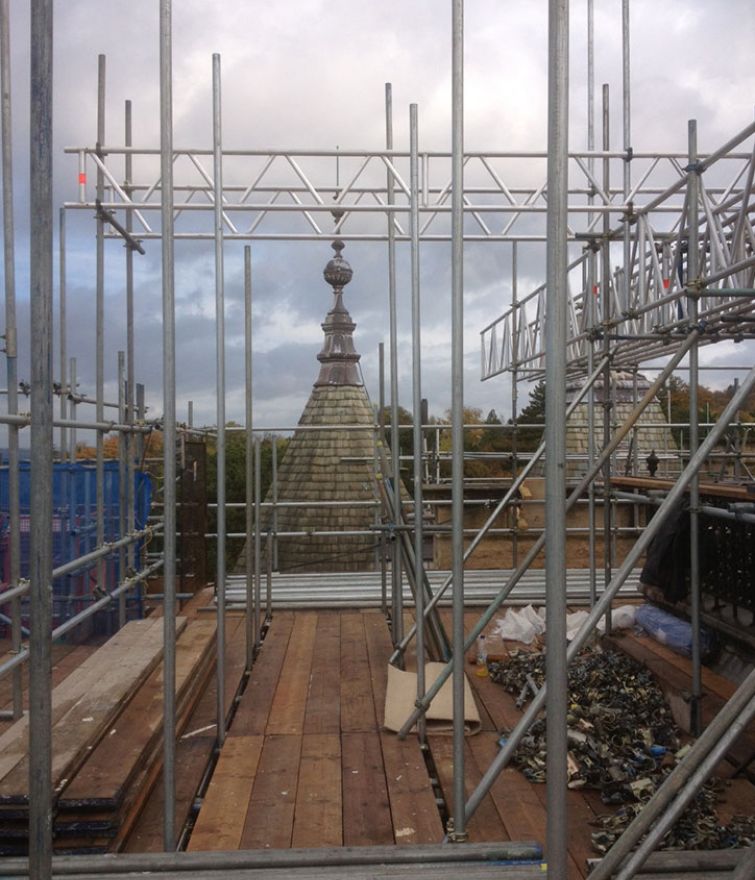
x,y
74,530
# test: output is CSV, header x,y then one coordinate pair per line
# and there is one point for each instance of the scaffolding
x,y
685,281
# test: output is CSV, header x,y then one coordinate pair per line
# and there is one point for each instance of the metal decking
x,y
364,589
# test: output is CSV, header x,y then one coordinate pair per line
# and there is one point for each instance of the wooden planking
x,y
323,712
738,799
675,681
318,811
357,709
413,809
578,817
80,728
485,825
499,705
269,819
143,831
221,819
366,809
379,650
290,700
117,758
14,742
514,797
254,708
235,658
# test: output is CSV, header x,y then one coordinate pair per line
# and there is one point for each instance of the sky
x,y
310,74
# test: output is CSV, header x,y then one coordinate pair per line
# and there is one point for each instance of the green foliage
x,y
528,438
235,486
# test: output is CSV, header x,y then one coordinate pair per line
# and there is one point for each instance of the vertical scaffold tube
x,y
459,831
217,153
122,440
100,327
380,442
397,606
555,439
627,130
417,408
11,354
40,564
692,286
169,423
130,366
252,596
63,324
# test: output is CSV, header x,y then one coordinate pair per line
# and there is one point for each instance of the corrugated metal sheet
x,y
362,589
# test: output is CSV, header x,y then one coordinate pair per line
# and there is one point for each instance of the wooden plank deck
x,y
309,763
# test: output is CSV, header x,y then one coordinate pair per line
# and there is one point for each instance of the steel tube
x,y
419,568
606,313
130,363
675,781
72,373
100,324
627,131
62,329
104,550
379,444
252,620
40,566
269,576
692,286
120,590
202,862
169,426
538,545
122,481
487,527
220,389
258,528
555,438
603,603
746,866
459,830
397,609
11,354
23,655
687,792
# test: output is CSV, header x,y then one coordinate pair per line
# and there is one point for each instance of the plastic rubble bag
x,y
520,626
574,623
672,631
622,617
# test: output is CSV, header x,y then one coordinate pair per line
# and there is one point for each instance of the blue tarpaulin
x,y
74,529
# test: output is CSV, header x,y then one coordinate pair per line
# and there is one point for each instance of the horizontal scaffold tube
x,y
601,459
202,862
82,561
603,604
74,621
24,421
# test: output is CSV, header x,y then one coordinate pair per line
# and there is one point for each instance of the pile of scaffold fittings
x,y
622,741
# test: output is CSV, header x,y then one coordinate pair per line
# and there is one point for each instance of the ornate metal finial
x,y
338,357
338,272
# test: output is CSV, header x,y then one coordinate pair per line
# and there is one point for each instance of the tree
x,y
528,438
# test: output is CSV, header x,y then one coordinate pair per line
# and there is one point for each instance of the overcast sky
x,y
310,74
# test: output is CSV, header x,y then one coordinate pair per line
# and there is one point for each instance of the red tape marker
x,y
82,177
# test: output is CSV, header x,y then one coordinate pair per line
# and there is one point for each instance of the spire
x,y
338,358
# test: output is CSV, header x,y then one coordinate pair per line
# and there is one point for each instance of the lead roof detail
x,y
338,357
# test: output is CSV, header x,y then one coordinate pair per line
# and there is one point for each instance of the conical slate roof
x,y
334,466
650,434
